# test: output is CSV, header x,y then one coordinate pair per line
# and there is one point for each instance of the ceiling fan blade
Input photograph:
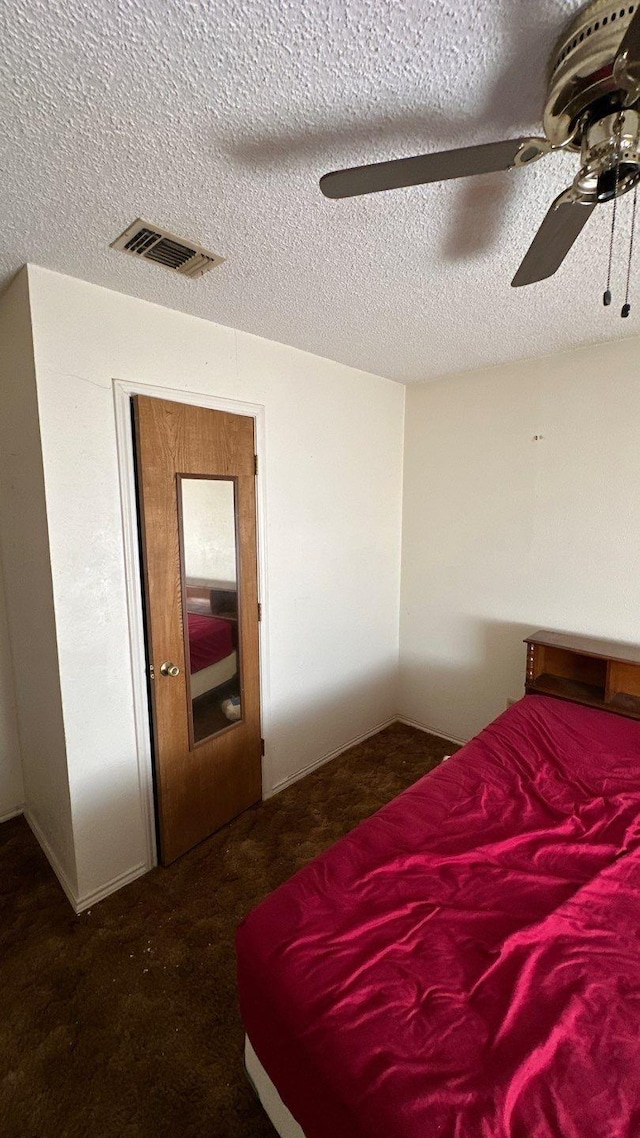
x,y
561,227
484,159
626,68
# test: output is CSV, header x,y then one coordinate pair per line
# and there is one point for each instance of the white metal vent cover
x,y
150,242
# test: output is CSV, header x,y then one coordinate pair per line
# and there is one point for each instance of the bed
x,y
212,616
465,963
212,654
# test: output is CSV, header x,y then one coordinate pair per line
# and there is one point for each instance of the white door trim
x,y
123,390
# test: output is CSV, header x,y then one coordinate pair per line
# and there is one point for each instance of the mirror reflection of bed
x,y
212,619
211,602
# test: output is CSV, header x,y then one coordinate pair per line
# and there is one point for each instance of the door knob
x,y
169,669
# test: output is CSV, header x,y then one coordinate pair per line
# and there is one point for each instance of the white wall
x,y
209,529
503,534
30,617
11,785
333,478
16,358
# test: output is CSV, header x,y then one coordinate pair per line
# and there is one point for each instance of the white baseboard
x,y
51,857
430,730
11,813
289,781
99,894
80,903
89,899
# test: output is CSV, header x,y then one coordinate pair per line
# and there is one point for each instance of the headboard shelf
x,y
597,673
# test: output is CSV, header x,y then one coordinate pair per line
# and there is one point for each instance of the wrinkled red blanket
x,y
210,640
466,963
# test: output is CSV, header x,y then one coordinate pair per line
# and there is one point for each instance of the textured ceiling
x,y
216,118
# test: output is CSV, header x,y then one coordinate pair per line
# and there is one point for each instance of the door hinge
x,y
255,464
152,672
259,612
262,746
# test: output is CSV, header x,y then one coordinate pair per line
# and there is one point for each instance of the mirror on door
x,y
210,596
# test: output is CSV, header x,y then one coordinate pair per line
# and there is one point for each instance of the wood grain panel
x,y
199,787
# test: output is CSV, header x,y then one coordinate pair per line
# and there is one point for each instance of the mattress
x,y
219,673
466,963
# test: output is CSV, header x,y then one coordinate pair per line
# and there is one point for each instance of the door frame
x,y
123,390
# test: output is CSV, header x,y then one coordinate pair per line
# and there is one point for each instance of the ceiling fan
x,y
591,108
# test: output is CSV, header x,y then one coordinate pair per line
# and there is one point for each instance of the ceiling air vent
x,y
154,244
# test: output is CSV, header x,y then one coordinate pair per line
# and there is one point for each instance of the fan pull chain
x,y
626,308
606,299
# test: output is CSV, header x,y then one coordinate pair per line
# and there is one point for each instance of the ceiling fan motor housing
x,y
587,109
581,77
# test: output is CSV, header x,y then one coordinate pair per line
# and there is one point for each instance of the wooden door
x,y
196,493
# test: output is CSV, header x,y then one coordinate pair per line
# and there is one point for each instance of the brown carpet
x,y
123,1021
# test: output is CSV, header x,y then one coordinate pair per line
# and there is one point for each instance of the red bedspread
x,y
466,963
210,640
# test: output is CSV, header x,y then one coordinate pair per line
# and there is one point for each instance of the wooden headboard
x,y
219,598
596,673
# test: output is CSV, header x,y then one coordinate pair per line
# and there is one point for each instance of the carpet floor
x,y
124,1021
